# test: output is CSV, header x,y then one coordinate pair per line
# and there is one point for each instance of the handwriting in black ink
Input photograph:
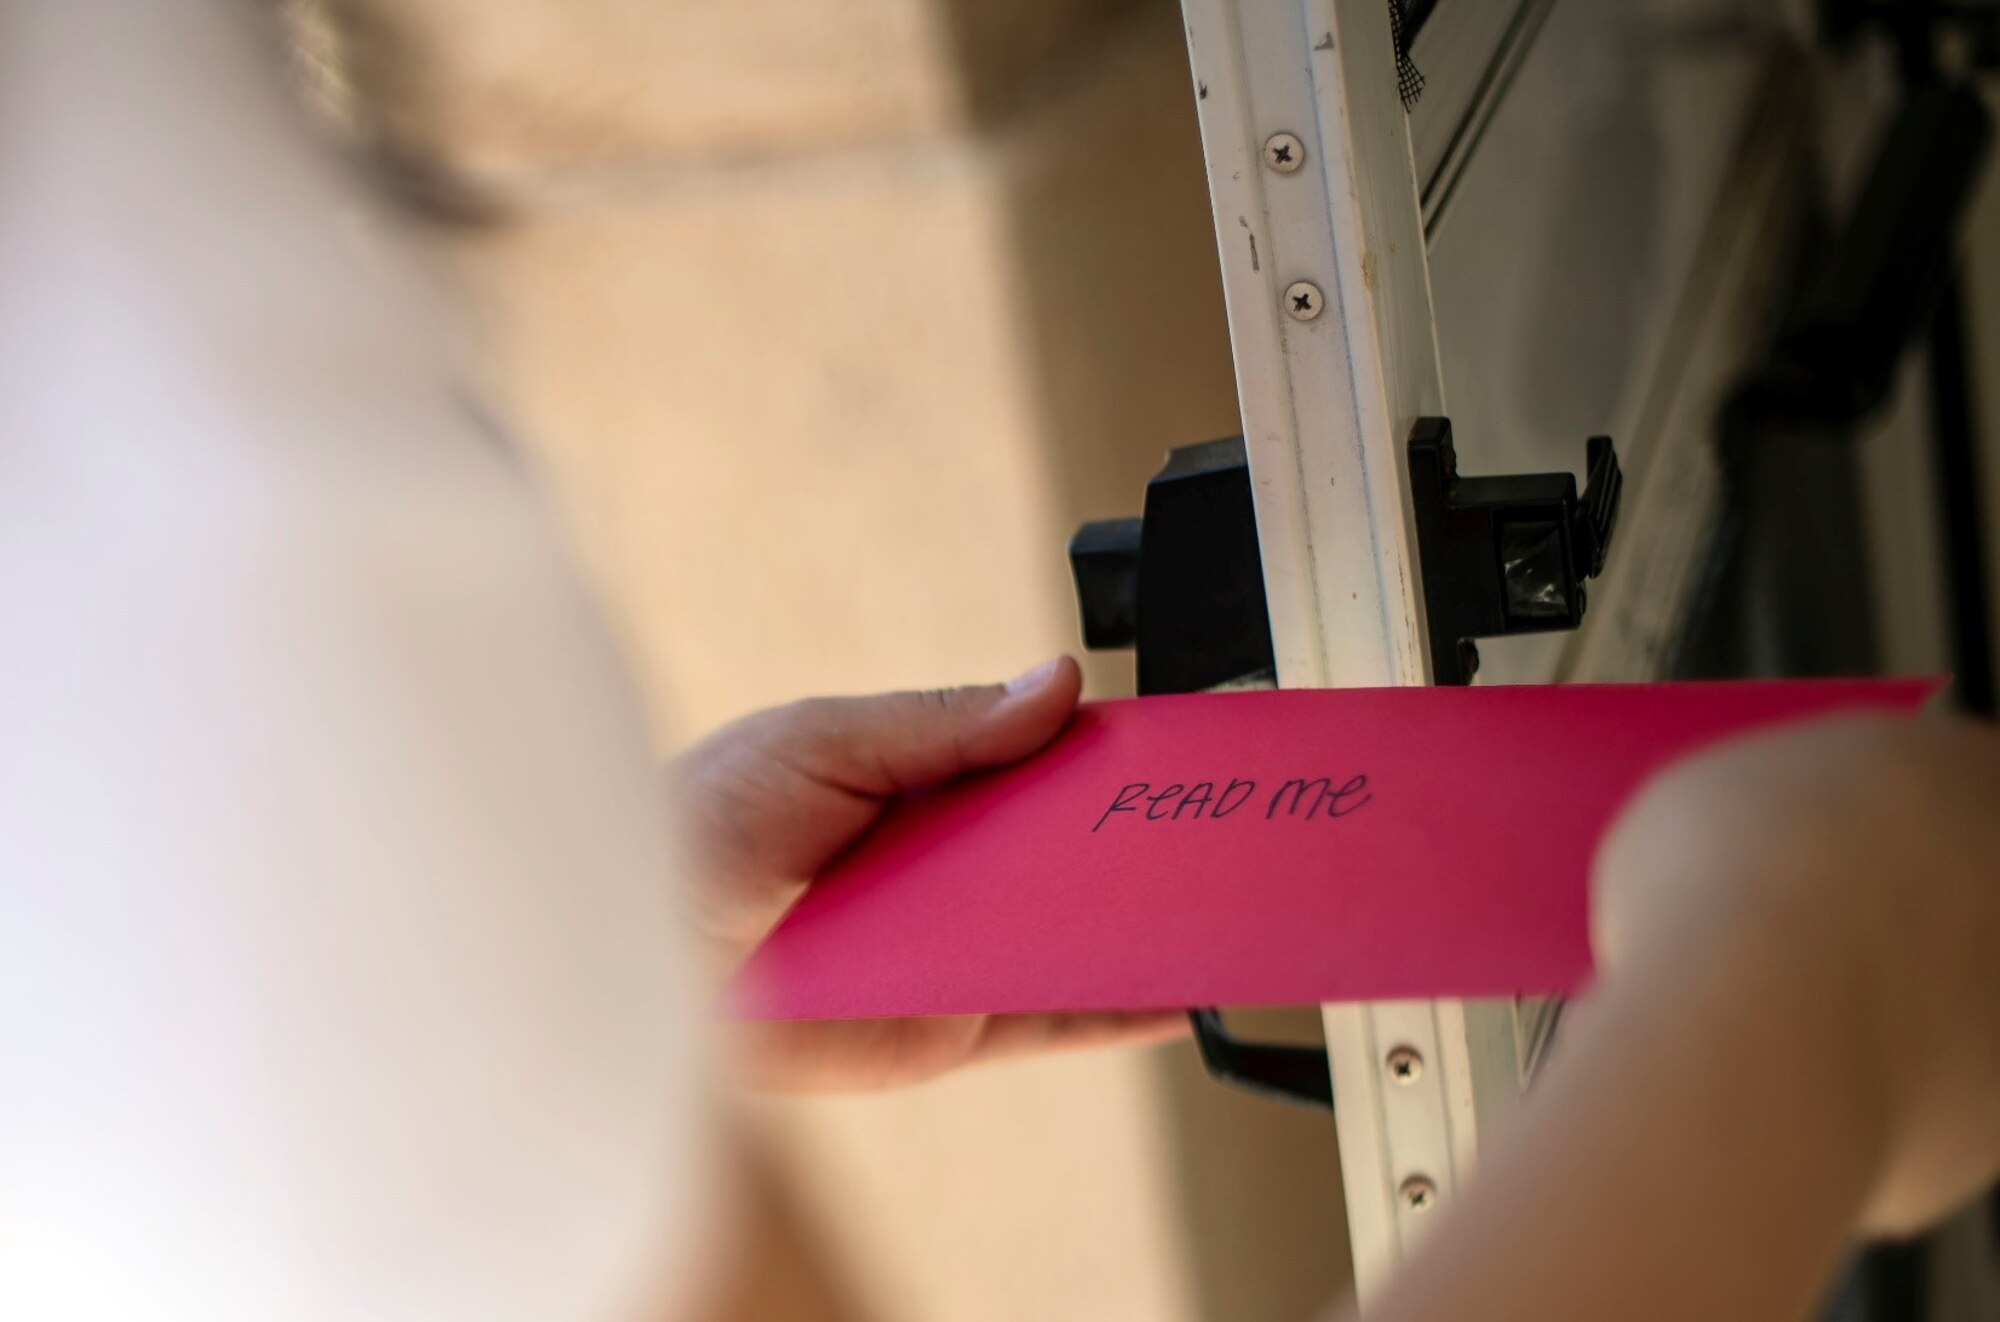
x,y
1323,795
1299,798
1123,803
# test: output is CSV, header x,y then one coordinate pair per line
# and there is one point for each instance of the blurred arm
x,y
339,975
1797,1039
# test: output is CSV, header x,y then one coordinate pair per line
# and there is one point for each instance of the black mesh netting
x,y
1405,17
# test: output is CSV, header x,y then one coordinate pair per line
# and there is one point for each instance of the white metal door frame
x,y
1329,388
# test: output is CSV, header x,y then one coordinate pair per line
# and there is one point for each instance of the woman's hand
x,y
770,800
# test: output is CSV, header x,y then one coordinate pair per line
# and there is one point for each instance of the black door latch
x,y
1504,555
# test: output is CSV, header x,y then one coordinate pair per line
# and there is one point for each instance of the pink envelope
x,y
1266,848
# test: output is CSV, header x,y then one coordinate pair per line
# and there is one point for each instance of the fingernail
x,y
1029,680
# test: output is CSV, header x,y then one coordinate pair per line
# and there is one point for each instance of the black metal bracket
x,y
1504,555
1184,586
1786,588
1294,1074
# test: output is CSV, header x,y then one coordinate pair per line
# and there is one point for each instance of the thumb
x,y
891,742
